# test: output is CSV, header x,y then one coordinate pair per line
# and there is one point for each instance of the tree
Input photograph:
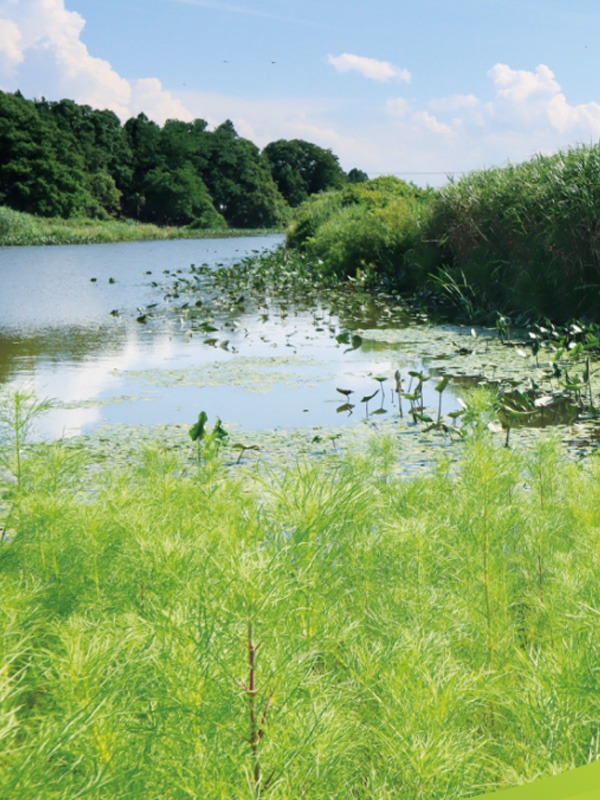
x,y
179,197
300,169
240,182
357,176
41,170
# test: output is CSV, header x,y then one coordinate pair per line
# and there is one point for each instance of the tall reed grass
x,y
185,630
526,237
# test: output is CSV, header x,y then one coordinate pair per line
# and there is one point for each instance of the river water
x,y
75,325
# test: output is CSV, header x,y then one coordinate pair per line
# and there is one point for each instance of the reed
x,y
524,238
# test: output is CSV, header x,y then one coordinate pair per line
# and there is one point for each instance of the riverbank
x,y
18,228
521,240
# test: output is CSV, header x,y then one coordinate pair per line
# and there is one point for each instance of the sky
x,y
424,89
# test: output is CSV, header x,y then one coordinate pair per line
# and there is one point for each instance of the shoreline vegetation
x,y
183,628
18,228
520,241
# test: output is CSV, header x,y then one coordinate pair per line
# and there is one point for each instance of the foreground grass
x,y
18,228
192,631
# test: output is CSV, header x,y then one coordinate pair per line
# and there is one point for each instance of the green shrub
x,y
365,230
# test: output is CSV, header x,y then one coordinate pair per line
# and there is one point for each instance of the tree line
x,y
62,159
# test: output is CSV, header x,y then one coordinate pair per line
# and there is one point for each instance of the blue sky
x,y
419,89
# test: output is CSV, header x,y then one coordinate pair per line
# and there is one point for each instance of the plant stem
x,y
251,694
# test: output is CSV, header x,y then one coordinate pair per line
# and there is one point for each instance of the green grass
x,y
18,228
519,240
183,630
524,238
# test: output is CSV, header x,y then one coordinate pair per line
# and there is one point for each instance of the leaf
x,y
368,397
197,431
219,432
346,392
346,407
442,384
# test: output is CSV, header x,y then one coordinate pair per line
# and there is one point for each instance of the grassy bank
x,y
17,228
183,630
526,238
520,240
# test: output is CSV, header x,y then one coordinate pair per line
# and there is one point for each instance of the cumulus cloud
x,y
369,67
11,53
534,100
525,112
41,52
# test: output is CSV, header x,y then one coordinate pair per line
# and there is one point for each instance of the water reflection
x,y
264,369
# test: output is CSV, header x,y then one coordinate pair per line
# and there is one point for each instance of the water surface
x,y
98,328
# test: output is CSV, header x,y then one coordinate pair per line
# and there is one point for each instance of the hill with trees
x,y
62,159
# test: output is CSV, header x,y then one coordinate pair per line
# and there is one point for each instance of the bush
x,y
365,230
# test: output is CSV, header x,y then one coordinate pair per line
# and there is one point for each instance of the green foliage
x,y
174,629
301,169
240,182
525,237
179,197
357,176
366,230
61,159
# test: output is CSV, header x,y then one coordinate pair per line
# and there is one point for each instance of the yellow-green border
x,y
576,784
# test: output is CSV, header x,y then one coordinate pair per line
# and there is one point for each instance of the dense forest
x,y
61,159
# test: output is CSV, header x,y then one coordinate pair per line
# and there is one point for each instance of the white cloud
x,y
11,53
534,100
41,53
426,121
369,67
518,86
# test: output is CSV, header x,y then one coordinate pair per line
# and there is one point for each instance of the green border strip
x,y
576,784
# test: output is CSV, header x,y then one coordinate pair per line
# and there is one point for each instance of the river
x,y
75,325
